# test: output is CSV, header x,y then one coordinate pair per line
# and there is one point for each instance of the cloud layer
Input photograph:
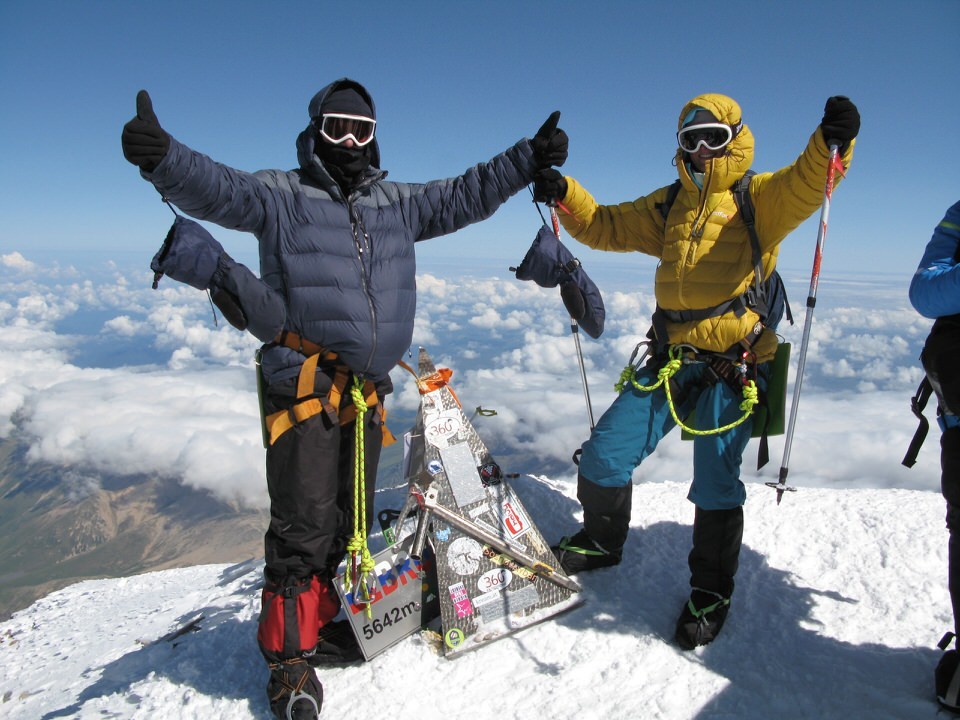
x,y
101,374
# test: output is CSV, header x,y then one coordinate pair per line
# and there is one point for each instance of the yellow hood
x,y
739,156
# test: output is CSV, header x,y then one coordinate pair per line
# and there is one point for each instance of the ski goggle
x,y
713,136
338,128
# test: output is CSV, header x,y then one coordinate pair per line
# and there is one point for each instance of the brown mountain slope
x,y
58,526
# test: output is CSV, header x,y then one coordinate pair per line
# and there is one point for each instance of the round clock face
x,y
464,555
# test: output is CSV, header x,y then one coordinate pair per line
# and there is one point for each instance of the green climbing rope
x,y
672,366
361,561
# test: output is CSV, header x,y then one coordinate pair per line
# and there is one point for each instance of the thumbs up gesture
x,y
550,143
144,142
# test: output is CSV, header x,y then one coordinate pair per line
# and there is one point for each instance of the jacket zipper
x,y
696,230
356,225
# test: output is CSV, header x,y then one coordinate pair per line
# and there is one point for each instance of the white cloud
x,y
124,325
17,261
189,410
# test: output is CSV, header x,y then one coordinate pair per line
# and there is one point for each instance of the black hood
x,y
307,140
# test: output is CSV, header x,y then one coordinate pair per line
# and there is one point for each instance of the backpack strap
x,y
672,192
917,403
741,195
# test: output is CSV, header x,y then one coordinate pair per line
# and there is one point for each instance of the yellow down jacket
x,y
704,247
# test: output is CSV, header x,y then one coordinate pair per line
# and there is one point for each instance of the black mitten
x,y
144,142
549,186
550,143
840,123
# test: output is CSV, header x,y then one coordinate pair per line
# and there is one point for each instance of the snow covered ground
x,y
840,601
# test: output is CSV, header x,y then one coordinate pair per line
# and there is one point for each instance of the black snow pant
x,y
950,486
310,478
715,556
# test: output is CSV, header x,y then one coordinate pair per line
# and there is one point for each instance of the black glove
x,y
549,186
144,142
841,122
550,143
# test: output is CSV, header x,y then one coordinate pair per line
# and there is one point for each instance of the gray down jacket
x,y
345,266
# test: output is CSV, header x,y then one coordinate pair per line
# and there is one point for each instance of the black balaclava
x,y
345,165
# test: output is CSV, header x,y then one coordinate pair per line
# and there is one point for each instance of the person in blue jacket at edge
x,y
336,242
935,293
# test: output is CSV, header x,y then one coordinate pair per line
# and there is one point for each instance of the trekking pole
x,y
574,330
833,165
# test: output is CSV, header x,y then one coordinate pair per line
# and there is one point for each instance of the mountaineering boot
x,y
581,553
606,520
294,691
946,677
702,618
714,559
337,646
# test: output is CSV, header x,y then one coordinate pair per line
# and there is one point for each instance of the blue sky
x,y
455,83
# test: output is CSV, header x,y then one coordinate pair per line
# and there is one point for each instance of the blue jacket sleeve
x,y
935,288
444,206
207,190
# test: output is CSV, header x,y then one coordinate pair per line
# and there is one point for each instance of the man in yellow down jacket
x,y
703,320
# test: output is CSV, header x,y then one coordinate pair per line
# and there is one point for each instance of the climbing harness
x,y
309,403
677,356
360,576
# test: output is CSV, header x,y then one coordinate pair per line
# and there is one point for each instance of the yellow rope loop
x,y
750,399
671,368
355,545
629,375
356,392
751,396
673,365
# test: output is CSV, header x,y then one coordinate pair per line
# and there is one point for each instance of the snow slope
x,y
840,601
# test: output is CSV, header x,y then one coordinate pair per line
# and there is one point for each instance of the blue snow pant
x,y
637,420
631,429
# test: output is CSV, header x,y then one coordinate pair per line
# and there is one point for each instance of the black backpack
x,y
767,297
939,359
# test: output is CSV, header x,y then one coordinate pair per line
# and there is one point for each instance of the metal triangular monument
x,y
495,572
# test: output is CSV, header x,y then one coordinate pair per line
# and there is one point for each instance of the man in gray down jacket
x,y
336,243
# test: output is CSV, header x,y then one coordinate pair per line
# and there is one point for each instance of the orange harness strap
x,y
308,404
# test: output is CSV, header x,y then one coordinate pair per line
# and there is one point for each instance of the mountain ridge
x,y
59,526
